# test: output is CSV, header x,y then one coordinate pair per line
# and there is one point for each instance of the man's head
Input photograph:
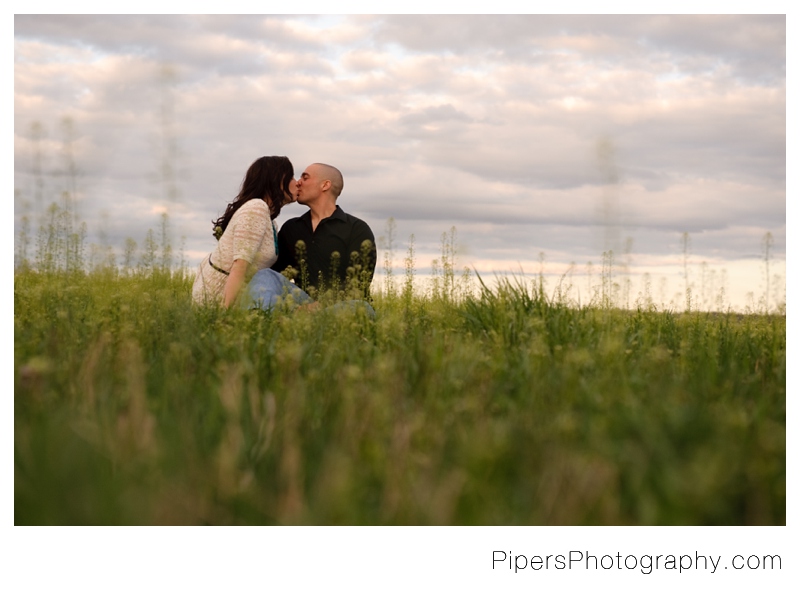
x,y
319,182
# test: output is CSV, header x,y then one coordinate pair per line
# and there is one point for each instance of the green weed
x,y
498,406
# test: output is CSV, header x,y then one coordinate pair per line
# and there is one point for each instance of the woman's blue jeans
x,y
269,288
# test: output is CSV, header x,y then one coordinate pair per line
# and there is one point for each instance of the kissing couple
x,y
325,253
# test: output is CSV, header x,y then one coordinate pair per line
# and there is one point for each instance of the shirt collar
x,y
338,214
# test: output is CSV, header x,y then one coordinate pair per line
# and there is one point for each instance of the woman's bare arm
x,y
234,283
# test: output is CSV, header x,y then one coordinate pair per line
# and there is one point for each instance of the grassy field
x,y
503,407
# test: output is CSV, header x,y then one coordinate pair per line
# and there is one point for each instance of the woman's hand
x,y
234,283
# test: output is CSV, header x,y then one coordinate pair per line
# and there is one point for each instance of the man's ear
x,y
326,185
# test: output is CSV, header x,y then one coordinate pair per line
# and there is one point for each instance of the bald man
x,y
339,248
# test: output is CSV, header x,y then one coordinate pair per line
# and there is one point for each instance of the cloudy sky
x,y
565,136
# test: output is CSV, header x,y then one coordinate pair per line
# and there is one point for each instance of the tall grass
x,y
464,401
500,405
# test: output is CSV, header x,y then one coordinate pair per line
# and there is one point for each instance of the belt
x,y
217,268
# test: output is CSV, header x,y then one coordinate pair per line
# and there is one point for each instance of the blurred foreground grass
x,y
133,407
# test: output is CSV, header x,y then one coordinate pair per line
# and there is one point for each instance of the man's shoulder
x,y
357,223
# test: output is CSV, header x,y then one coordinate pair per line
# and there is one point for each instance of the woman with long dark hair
x,y
247,232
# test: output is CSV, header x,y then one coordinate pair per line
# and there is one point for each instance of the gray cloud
x,y
754,44
490,123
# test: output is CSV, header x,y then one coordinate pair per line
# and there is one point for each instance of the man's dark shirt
x,y
340,233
